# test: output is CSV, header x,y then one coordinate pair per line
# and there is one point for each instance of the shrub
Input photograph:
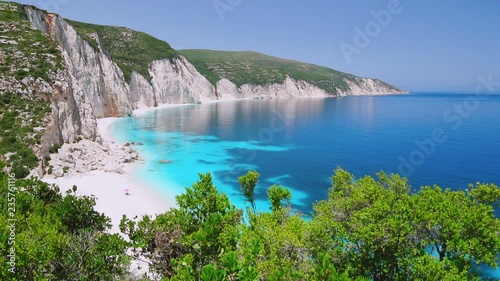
x,y
31,160
19,170
55,148
20,74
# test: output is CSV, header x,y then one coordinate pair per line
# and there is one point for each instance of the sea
x,y
447,139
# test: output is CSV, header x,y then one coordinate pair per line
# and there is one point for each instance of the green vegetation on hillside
x,y
366,229
21,128
26,56
259,69
24,51
130,50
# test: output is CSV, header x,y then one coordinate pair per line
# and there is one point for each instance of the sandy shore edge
x,y
109,188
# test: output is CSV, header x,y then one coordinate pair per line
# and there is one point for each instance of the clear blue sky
x,y
429,45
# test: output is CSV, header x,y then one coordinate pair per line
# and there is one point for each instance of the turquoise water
x,y
446,139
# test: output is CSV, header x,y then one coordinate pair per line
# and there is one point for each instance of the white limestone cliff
x,y
178,82
368,86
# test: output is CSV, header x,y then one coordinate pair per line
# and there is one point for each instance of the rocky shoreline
x,y
86,156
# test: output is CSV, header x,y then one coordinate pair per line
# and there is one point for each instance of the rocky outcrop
x,y
87,156
143,92
178,82
368,86
96,88
289,89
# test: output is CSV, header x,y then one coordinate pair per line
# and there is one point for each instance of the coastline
x,y
109,188
140,111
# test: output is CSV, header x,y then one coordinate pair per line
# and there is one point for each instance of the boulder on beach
x,y
86,156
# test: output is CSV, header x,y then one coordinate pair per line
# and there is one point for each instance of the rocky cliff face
x,y
93,86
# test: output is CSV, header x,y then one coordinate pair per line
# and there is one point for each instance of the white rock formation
x,y
86,156
179,82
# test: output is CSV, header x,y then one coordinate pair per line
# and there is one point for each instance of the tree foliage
x,y
277,194
378,229
366,229
204,229
55,236
248,183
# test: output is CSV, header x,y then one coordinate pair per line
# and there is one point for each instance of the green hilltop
x,y
130,50
25,52
249,67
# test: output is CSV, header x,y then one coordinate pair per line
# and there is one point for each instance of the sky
x,y
419,45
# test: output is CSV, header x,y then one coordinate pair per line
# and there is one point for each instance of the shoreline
x,y
141,110
109,188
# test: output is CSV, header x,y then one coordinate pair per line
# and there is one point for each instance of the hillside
x,y
29,61
130,49
249,67
134,51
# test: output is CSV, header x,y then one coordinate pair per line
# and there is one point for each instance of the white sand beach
x,y
110,196
109,189
142,109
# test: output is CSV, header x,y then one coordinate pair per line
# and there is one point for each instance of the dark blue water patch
x,y
206,162
451,140
488,273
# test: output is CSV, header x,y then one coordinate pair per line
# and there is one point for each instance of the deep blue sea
x,y
447,139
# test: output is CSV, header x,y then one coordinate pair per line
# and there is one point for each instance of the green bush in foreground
x,y
55,236
366,229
